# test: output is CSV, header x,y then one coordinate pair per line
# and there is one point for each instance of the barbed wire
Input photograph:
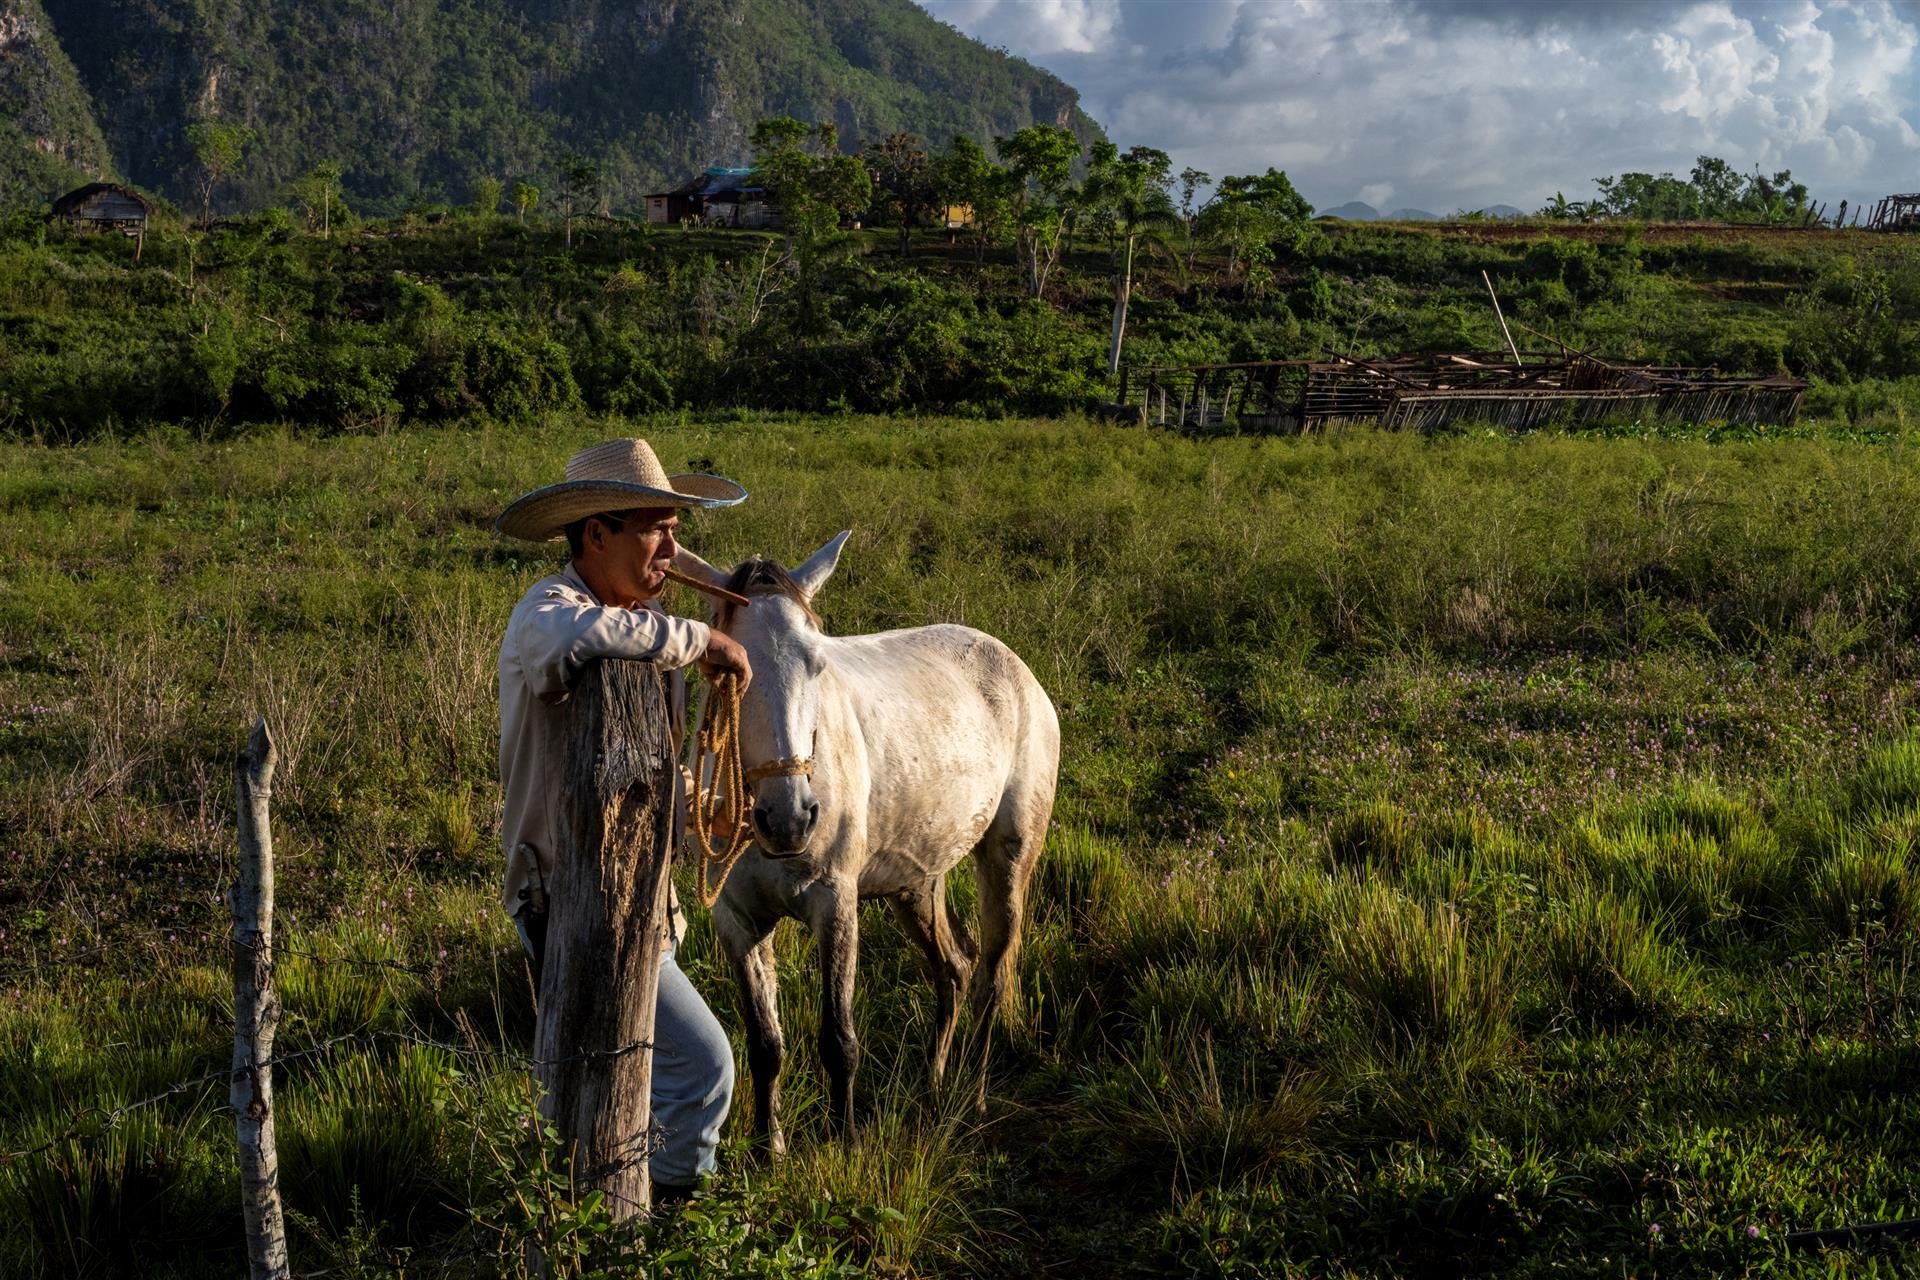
x,y
79,1127
426,969
276,949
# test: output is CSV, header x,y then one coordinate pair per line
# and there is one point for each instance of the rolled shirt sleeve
x,y
559,635
557,630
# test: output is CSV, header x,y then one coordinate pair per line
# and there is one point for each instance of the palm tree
x,y
1130,195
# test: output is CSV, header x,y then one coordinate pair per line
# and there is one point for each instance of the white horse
x,y
877,763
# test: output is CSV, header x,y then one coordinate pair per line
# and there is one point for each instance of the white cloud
x,y
1462,103
1035,27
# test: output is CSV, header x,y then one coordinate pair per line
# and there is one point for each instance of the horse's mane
x,y
759,576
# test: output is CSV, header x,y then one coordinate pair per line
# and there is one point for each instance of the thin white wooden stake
x,y
256,1013
1498,315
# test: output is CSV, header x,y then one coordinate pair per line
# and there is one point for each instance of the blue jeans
x,y
692,1067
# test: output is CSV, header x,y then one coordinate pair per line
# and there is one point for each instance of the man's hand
x,y
725,656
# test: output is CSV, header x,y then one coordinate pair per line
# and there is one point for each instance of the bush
x,y
1605,961
1419,985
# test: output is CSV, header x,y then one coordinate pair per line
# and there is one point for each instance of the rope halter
x,y
784,767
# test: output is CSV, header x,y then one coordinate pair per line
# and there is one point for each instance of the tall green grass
x,y
1455,839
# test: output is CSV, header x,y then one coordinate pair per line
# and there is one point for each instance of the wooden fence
x,y
600,977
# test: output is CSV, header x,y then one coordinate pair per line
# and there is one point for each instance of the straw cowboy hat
x,y
615,476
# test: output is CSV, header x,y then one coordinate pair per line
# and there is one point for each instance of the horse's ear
x,y
813,575
694,567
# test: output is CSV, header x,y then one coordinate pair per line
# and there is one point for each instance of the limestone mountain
x,y
48,138
419,98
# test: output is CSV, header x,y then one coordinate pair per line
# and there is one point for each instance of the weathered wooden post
x,y
606,929
256,1013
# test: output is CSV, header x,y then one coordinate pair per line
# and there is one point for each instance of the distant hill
x,y
48,138
1503,211
417,98
1352,211
1412,215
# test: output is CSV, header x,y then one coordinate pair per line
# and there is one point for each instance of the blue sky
x,y
1446,104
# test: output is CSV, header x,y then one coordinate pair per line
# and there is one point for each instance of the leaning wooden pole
x,y
606,930
1501,317
256,1013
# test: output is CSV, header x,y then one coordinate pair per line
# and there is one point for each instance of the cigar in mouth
x,y
718,593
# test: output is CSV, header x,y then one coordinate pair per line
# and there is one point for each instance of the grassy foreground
x,y
1473,856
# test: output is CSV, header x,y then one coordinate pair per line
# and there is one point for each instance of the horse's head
x,y
780,714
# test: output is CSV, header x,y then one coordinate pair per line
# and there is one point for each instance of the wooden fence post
x,y
606,929
256,1013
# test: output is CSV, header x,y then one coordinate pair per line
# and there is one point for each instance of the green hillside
x,y
418,98
48,138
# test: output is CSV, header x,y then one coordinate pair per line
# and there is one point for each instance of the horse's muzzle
x,y
784,832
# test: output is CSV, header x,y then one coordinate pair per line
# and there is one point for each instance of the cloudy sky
x,y
1447,104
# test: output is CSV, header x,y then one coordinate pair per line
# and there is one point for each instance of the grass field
x,y
1474,855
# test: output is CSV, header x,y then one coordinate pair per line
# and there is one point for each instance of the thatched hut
x,y
104,206
720,197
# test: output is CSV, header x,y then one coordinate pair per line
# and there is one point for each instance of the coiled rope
x,y
721,795
719,807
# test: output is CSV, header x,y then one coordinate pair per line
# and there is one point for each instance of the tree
x,y
1645,197
1714,189
1716,186
903,182
579,182
486,196
1249,212
217,150
1563,210
526,198
1191,180
1775,200
317,194
963,175
1131,195
1040,159
813,186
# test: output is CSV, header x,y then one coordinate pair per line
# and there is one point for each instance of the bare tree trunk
x,y
1122,292
606,930
256,1013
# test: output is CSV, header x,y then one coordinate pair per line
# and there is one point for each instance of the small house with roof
x,y
720,197
104,206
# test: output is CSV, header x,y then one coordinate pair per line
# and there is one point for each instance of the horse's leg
x,y
958,930
836,927
1003,864
751,947
924,914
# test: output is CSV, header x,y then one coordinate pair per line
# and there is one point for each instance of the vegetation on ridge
x,y
425,319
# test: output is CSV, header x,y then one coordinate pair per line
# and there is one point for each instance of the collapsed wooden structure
x,y
1428,392
1896,213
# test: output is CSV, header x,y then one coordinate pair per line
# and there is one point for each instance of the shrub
x,y
1418,983
1606,962
1864,882
1373,833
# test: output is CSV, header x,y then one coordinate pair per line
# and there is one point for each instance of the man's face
x,y
631,552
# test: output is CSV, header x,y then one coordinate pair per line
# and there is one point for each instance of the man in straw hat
x,y
617,509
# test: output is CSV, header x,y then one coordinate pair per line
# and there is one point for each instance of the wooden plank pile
x,y
1430,392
